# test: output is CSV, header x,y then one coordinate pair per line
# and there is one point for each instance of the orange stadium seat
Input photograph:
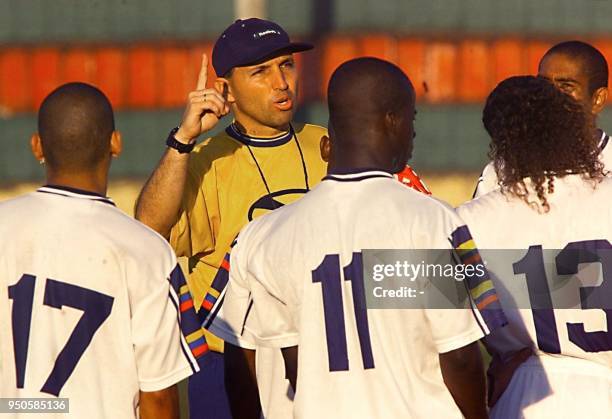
x,y
379,46
474,71
143,78
336,50
111,61
508,59
15,86
535,51
173,81
78,65
45,73
440,72
195,62
153,75
411,59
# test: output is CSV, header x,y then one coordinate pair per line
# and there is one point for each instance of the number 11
x,y
328,274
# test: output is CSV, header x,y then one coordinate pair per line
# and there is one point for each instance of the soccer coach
x,y
199,197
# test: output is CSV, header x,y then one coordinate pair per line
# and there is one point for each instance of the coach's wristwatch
x,y
177,145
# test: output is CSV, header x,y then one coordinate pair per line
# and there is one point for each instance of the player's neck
x,y
254,129
356,165
341,162
91,182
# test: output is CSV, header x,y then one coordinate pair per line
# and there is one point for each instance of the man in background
x,y
200,197
581,71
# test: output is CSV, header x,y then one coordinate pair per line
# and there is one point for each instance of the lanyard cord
x,y
263,178
301,157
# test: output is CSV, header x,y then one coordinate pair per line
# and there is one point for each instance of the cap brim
x,y
299,46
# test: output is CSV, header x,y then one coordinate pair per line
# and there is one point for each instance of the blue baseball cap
x,y
249,41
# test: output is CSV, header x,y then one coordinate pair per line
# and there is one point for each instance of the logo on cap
x,y
264,33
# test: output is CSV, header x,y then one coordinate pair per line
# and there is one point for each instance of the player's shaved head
x,y
75,124
593,62
364,90
371,110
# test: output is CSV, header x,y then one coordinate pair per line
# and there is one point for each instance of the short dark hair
x,y
538,132
593,61
368,87
75,123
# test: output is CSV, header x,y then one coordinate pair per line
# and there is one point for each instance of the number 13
x,y
567,261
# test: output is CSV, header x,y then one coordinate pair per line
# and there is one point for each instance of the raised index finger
x,y
203,76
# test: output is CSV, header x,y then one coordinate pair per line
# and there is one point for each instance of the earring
x,y
41,161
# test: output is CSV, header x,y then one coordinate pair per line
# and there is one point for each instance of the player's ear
x,y
325,147
116,144
599,100
36,146
390,122
222,85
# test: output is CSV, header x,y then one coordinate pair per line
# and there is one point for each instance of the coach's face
x,y
568,76
263,96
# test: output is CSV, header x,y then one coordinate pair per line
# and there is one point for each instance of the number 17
x,y
96,308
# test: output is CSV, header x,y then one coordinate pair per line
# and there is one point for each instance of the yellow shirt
x,y
226,188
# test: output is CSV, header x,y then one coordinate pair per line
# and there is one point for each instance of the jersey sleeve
x,y
250,313
453,329
487,181
166,336
226,315
481,291
193,232
273,320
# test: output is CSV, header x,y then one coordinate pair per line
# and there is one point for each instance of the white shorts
x,y
558,387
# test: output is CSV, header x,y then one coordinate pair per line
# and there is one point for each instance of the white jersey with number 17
x,y
89,305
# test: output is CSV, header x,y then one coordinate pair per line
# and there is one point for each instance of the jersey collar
x,y
356,175
284,138
74,193
603,141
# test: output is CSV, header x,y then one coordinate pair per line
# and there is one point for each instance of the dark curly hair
x,y
538,133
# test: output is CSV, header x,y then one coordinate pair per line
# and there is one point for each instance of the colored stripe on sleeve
x,y
218,285
480,287
189,322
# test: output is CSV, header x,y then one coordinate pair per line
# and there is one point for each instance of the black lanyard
x,y
263,178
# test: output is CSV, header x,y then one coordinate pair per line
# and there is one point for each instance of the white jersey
x,y
353,362
566,340
488,180
89,305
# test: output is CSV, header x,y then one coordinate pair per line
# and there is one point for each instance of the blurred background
x,y
145,55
